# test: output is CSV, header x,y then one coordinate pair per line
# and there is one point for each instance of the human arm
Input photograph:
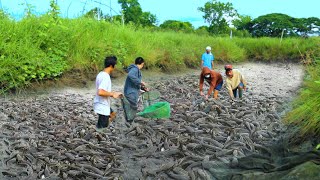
x,y
244,82
230,91
201,84
202,61
102,92
212,86
212,63
133,76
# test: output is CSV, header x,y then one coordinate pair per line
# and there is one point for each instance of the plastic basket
x,y
156,110
150,97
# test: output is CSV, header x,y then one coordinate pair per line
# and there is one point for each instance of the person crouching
x,y
214,79
235,82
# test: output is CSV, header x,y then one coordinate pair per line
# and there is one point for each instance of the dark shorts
x,y
219,86
103,120
235,91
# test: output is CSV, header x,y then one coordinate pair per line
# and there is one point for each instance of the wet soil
x,y
50,133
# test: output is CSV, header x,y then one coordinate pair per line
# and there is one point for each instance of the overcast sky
x,y
183,10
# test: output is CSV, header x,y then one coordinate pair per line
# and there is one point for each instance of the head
x,y
207,76
208,49
110,62
228,69
206,73
139,62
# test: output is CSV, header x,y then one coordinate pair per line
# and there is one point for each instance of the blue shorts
x,y
241,85
219,86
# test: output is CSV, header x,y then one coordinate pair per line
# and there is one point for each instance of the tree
x,y
133,13
242,23
94,13
216,14
272,25
177,26
305,26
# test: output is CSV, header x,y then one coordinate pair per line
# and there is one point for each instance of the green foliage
x,y
216,14
306,112
94,13
133,13
272,25
177,26
40,48
243,23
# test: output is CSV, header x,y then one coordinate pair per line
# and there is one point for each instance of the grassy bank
x,y
306,112
40,48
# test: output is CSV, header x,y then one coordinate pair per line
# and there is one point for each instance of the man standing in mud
x,y
207,59
235,82
102,100
214,79
134,83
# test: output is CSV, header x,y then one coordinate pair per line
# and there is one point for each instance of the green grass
x,y
41,48
306,112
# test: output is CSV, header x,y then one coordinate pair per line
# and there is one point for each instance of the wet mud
x,y
53,136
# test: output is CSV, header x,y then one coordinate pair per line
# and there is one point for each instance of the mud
x,y
53,136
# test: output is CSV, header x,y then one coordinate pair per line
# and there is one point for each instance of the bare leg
x,y
215,94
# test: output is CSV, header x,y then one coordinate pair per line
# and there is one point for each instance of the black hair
x,y
110,61
139,60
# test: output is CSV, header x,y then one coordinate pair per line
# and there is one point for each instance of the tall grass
x,y
306,112
39,48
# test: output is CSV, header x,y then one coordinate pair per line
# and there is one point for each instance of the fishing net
x,y
150,97
156,110
152,107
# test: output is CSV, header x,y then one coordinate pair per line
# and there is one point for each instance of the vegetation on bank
x,y
306,112
39,48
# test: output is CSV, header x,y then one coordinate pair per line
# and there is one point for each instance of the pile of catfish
x,y
54,137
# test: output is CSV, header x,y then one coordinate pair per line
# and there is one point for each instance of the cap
x,y
208,48
228,67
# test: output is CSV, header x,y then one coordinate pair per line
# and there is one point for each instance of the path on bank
x,y
53,135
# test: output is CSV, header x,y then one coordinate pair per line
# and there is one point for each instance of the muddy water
x,y
52,135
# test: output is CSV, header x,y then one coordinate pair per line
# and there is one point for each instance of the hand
x,y
143,83
201,93
206,97
117,95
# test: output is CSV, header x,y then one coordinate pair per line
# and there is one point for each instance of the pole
x,y
122,17
281,35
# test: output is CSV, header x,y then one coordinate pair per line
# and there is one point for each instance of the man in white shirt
x,y
102,100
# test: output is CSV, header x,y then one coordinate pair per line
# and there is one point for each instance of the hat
x,y
228,67
208,48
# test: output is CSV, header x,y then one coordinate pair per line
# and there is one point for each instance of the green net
x,y
150,97
156,110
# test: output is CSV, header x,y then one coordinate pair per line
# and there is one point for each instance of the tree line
x,y
222,18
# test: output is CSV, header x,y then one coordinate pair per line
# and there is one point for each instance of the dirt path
x,y
272,79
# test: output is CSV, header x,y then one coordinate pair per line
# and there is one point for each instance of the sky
x,y
182,10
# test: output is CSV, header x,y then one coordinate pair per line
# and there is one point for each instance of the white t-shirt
x,y
102,104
